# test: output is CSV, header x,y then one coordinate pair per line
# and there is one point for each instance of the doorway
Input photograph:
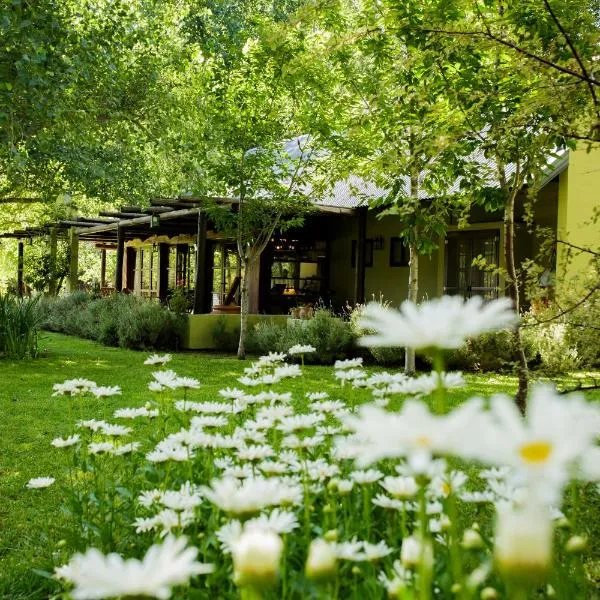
x,y
464,279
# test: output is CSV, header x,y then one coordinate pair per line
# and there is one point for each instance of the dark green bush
x,y
119,320
227,338
330,335
19,326
492,351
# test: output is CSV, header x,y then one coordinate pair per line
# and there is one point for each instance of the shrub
x,y
119,320
330,335
19,326
492,351
381,355
226,339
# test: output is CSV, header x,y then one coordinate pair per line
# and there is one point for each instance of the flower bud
x,y
523,543
456,588
331,535
256,555
321,561
489,593
576,544
355,570
413,551
471,540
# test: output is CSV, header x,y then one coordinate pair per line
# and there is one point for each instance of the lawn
x,y
31,523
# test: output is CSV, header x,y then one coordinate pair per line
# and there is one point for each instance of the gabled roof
x,y
355,191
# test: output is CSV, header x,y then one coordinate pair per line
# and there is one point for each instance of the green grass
x,y
31,521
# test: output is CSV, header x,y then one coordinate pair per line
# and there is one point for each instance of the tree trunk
x,y
241,353
513,290
413,290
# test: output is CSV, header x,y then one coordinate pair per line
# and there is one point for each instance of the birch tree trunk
x,y
413,290
241,353
513,290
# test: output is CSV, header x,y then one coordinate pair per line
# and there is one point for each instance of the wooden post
x,y
163,271
103,268
359,282
53,250
74,260
120,256
130,258
203,269
20,286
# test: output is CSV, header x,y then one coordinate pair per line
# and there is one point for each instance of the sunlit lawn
x,y
31,521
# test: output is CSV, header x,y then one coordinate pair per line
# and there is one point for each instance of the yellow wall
x,y
578,200
380,279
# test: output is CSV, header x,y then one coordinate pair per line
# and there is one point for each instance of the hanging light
x,y
154,221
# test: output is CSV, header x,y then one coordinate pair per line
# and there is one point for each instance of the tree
x,y
400,131
260,142
512,114
87,92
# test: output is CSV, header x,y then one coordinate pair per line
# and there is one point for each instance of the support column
x,y
20,286
203,269
359,282
53,251
163,271
130,258
120,257
102,268
74,260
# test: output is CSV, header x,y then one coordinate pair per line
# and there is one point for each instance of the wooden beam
x,y
121,215
139,221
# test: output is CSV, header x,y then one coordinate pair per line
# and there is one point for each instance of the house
x,y
172,245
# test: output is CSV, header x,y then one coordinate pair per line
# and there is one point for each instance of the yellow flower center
x,y
423,441
536,452
446,489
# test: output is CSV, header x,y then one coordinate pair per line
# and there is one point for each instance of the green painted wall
x,y
578,200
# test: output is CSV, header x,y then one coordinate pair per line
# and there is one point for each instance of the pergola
x,y
162,220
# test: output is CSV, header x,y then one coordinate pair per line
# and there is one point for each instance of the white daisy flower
x,y
101,448
155,359
64,443
188,383
166,379
134,413
301,349
40,482
92,424
116,430
350,363
368,476
106,391
250,495
444,322
96,576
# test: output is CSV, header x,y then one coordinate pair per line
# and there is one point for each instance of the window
x,y
368,253
399,255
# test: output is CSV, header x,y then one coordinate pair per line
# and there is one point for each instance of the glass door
x,y
462,277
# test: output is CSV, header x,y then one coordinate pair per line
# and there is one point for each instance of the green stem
x,y
440,392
